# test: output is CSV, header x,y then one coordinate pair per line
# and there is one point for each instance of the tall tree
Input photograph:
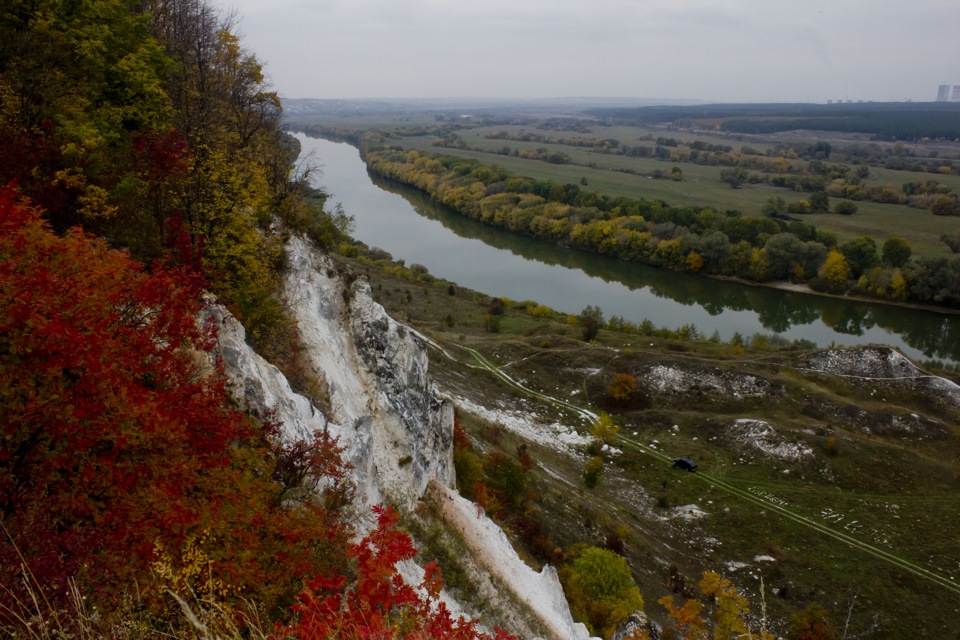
x,y
896,252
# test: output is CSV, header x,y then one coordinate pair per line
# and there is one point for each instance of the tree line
x,y
142,164
885,120
680,238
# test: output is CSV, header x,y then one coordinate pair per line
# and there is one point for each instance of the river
x,y
406,223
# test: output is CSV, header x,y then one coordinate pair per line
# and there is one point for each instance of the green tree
x,y
789,257
601,590
734,177
819,202
591,319
592,472
845,208
952,240
861,254
774,206
506,477
896,252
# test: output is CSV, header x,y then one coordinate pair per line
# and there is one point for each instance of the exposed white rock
x,y
398,434
555,435
540,591
671,379
688,512
636,622
759,435
872,362
882,363
259,385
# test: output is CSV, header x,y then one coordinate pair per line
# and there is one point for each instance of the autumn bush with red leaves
x,y
117,441
379,604
124,465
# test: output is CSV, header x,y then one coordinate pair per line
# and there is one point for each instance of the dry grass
x,y
35,617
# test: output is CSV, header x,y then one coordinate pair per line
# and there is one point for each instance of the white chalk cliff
x,y
397,433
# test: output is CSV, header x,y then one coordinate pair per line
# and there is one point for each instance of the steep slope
x,y
397,433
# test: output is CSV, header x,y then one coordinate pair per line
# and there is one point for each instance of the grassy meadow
x,y
701,185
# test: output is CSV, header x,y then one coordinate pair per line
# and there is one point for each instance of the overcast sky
x,y
716,50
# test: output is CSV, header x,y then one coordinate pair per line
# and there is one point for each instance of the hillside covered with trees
x,y
141,164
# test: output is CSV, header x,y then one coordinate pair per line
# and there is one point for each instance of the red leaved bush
x,y
123,463
116,442
379,604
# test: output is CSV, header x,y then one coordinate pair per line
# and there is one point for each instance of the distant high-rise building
x,y
948,93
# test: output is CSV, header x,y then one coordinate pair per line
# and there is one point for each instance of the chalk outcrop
x,y
396,432
883,365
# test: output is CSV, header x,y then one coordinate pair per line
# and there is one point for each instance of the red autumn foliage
x,y
460,438
114,438
379,604
29,157
117,452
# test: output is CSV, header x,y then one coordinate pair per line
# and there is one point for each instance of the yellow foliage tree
x,y
604,429
726,615
600,588
835,268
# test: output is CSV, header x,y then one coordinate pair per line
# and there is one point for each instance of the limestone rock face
x,y
397,432
258,385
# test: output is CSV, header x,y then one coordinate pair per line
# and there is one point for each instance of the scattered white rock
x,y
762,437
671,379
688,512
882,363
555,435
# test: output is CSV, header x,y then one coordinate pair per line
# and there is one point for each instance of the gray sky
x,y
718,50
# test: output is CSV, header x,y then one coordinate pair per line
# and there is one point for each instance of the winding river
x,y
406,223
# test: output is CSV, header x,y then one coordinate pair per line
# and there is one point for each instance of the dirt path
x,y
723,485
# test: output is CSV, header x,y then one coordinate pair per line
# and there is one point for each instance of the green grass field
x,y
701,185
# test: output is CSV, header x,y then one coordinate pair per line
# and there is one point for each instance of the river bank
x,y
410,226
